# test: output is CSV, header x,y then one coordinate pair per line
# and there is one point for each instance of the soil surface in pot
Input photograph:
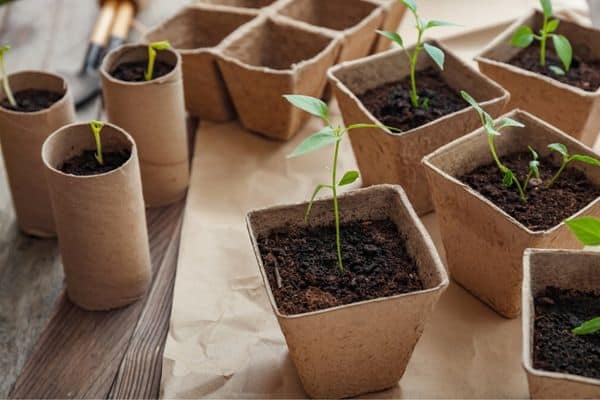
x,y
390,103
582,74
545,208
85,163
301,264
556,349
134,71
32,100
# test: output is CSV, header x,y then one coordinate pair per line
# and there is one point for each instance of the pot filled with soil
x,y
569,99
561,296
42,104
350,329
197,34
95,189
148,102
502,189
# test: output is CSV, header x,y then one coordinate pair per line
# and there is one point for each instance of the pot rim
x,y
528,312
502,94
426,161
482,57
437,261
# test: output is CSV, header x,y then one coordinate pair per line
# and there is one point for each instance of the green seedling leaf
x,y
436,54
324,137
425,103
96,127
393,36
410,4
348,178
4,76
472,102
557,70
563,49
152,49
312,200
547,8
506,122
523,37
586,159
434,24
589,327
552,25
311,105
586,230
508,178
559,148
534,165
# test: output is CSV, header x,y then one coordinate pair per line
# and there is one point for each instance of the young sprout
x,y
96,130
562,149
4,75
524,36
436,54
152,49
492,130
330,134
534,168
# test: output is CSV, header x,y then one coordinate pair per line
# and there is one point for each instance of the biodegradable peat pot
x,y
571,109
22,135
153,112
270,57
385,157
197,34
484,245
100,220
360,347
576,270
356,20
393,13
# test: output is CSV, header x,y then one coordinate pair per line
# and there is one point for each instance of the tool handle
x,y
122,23
99,36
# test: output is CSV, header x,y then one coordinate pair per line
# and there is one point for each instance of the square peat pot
x,y
569,108
394,11
484,245
197,34
562,269
360,347
395,158
271,57
356,20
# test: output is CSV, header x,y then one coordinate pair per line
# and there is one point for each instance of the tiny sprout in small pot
x,y
5,84
152,49
96,129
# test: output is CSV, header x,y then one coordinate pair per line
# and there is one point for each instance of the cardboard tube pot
x,y
22,135
197,34
100,220
153,112
484,245
360,347
268,58
569,108
385,157
577,270
394,11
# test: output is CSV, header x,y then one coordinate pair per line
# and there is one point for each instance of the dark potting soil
x,y
32,100
390,103
301,264
582,74
555,348
134,71
85,163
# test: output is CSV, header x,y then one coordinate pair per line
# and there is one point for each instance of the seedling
x,y
436,54
524,36
562,149
153,48
330,134
534,168
5,84
96,130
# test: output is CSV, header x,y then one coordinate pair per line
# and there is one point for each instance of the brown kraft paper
x,y
100,220
22,135
154,114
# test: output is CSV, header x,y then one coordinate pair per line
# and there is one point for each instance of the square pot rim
x,y
502,94
332,46
427,162
483,58
527,327
397,189
229,7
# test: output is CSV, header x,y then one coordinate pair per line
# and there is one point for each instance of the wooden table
x,y
50,348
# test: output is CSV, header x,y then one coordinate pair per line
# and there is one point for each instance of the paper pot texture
x,y
385,157
100,220
153,113
576,270
484,245
571,109
22,135
361,347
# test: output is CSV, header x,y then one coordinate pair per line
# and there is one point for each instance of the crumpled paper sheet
x,y
224,340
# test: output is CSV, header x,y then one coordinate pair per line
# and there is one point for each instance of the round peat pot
x,y
100,220
22,135
154,113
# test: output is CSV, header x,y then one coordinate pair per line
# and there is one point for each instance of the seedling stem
x,y
152,49
96,127
5,85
